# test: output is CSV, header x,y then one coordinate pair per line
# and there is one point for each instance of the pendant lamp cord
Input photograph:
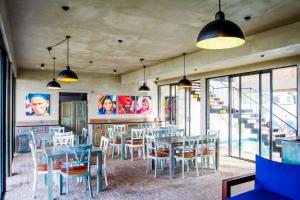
x,y
219,5
184,64
67,38
53,67
144,68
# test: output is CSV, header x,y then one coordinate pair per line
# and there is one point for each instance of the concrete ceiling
x,y
150,29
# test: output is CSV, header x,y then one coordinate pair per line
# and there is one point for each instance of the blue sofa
x,y
273,181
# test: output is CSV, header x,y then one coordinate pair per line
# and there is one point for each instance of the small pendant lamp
x,y
184,82
220,33
53,85
144,87
67,75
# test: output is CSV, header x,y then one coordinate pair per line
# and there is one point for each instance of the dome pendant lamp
x,y
53,85
67,75
184,82
144,87
220,33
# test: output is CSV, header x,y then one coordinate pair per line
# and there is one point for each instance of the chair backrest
x,y
104,147
119,128
56,130
64,133
63,140
138,133
212,132
177,132
110,133
81,156
84,135
210,141
33,149
151,144
191,143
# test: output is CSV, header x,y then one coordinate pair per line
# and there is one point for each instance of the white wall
x,y
34,81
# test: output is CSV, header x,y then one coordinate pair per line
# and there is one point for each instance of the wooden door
x,y
73,116
80,117
66,115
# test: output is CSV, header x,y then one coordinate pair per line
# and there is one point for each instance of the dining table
x,y
52,153
172,142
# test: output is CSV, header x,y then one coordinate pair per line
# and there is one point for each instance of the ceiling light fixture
x,y
144,87
115,71
184,82
53,85
67,75
42,66
220,33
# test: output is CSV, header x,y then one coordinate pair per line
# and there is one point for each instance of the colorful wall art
x,y
126,104
37,105
106,105
143,105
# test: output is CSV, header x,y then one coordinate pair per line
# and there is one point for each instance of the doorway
x,y
73,111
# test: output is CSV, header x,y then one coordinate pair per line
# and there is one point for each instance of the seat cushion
x,y
258,195
76,170
186,155
44,167
159,154
278,178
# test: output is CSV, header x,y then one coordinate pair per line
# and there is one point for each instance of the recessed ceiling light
x,y
248,17
91,62
65,8
120,41
262,55
157,78
42,66
195,69
115,71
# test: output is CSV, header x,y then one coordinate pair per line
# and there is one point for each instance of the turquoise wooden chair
x,y
189,152
78,165
154,152
209,149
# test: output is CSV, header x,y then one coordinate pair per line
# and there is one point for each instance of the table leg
x,y
171,162
123,147
49,166
99,172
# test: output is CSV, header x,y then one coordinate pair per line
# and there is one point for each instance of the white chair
x,y
209,149
155,153
137,141
114,142
53,130
63,140
84,136
63,133
39,168
119,128
104,147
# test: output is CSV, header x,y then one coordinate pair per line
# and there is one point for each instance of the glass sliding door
x,y
217,109
195,111
235,116
249,121
265,118
284,116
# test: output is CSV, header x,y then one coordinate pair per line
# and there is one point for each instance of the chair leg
x,y
34,183
155,167
147,168
105,176
144,152
113,152
60,184
90,187
131,152
67,188
197,167
182,168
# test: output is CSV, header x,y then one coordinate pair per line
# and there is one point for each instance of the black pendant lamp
x,y
184,82
220,33
67,75
144,87
53,85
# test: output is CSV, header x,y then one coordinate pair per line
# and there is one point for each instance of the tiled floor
x,y
128,180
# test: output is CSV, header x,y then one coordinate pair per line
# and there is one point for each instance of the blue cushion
x,y
279,178
258,195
